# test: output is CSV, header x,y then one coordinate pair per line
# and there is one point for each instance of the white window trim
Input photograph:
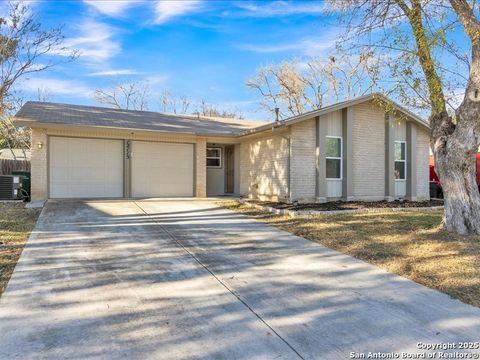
x,y
404,161
337,158
215,157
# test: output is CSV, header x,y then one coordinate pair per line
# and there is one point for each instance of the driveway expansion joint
x,y
179,243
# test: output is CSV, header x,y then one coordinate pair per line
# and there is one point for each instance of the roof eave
x,y
44,125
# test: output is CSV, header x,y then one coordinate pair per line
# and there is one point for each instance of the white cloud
x,y
166,10
95,42
111,7
308,46
266,49
115,72
57,87
282,8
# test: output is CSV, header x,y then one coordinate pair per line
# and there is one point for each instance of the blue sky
x,y
200,49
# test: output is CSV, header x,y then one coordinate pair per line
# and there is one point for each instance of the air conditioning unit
x,y
10,187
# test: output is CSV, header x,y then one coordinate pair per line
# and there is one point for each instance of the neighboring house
x,y
351,150
15,154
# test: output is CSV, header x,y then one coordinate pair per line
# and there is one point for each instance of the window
x,y
400,160
214,157
333,156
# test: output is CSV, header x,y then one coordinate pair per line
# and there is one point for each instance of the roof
x,y
35,114
338,106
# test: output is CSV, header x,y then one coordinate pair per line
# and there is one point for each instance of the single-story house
x,y
352,150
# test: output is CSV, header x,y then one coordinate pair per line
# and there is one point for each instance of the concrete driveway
x,y
189,280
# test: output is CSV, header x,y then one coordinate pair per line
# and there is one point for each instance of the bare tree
x,y
295,87
130,96
136,95
350,75
43,94
206,109
423,60
25,48
172,103
169,102
12,137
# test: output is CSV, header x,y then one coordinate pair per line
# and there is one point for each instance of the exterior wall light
x,y
40,145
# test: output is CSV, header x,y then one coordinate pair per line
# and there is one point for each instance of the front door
x,y
229,168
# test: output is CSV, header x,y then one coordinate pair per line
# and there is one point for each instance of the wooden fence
x,y
7,166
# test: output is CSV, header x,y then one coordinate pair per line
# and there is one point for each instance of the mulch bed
x,y
351,205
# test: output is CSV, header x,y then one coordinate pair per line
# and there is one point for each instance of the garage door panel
x,y
85,168
61,176
162,169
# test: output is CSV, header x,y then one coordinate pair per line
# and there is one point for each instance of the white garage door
x,y
86,168
162,169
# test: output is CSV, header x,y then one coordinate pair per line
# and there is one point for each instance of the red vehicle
x,y
435,186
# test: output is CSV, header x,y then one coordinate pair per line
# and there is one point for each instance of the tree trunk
x,y
455,163
455,151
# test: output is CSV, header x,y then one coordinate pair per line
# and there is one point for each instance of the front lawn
x,y
16,223
407,243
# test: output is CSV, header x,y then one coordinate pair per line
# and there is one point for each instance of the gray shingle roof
x,y
37,113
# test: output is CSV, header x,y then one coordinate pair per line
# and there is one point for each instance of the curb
x,y
294,213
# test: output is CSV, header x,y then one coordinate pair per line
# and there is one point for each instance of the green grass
x,y
410,244
16,223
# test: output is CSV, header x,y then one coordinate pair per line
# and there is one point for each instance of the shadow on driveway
x,y
186,279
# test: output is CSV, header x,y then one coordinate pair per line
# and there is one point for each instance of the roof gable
x,y
338,106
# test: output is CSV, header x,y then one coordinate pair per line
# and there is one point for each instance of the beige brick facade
x,y
303,160
201,168
368,152
264,166
39,165
279,163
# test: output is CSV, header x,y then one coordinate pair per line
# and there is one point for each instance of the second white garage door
x,y
162,169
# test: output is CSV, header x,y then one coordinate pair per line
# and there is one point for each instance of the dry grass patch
x,y
16,223
407,243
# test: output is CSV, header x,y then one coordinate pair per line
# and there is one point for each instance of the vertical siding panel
x,y
400,188
334,188
400,130
423,145
334,123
